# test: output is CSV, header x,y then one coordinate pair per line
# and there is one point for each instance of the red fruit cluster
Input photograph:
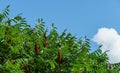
x,y
6,32
10,59
36,48
45,40
59,56
27,69
9,41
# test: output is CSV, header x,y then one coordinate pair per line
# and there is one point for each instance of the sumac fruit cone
x,y
36,48
6,32
110,67
9,41
10,59
27,69
59,56
45,40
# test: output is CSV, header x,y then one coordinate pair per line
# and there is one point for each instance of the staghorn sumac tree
x,y
33,50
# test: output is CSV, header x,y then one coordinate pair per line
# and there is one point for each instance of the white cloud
x,y
110,40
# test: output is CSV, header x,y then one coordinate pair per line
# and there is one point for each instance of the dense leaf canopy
x,y
33,50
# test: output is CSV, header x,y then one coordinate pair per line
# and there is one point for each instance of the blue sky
x,y
80,17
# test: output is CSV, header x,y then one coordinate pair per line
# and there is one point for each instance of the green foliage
x,y
32,50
